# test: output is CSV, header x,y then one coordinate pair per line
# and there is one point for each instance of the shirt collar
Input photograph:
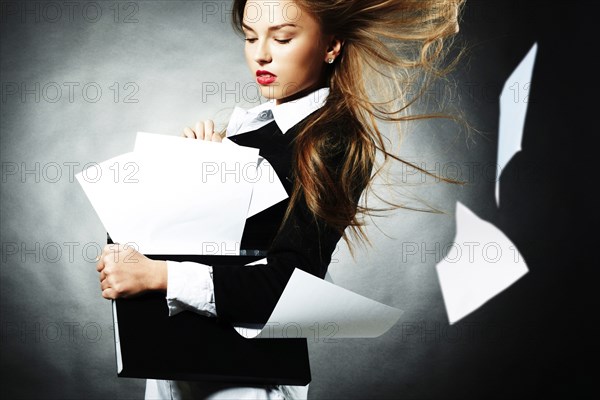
x,y
286,115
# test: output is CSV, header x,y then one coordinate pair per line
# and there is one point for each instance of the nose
x,y
262,54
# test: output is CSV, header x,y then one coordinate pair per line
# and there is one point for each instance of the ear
x,y
334,47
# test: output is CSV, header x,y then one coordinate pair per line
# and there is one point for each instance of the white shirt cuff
x,y
190,287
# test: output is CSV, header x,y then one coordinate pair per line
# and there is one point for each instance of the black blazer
x,y
248,294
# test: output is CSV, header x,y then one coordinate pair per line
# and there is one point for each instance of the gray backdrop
x,y
79,79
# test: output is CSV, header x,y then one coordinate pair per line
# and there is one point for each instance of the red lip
x,y
265,77
263,72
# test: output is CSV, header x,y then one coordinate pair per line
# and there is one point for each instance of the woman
x,y
323,66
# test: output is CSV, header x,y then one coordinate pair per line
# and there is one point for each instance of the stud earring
x,y
330,61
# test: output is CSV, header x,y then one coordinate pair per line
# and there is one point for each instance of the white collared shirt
x,y
189,284
286,115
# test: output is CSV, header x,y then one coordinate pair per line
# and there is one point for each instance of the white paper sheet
x,y
267,189
313,308
513,109
482,263
190,197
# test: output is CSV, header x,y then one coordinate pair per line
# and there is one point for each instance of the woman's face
x,y
286,44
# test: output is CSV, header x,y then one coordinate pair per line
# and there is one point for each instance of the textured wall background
x,y
79,79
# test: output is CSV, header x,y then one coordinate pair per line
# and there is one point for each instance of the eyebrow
x,y
272,28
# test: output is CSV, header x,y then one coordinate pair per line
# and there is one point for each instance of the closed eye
x,y
252,40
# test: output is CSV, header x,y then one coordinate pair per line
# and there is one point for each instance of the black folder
x,y
190,346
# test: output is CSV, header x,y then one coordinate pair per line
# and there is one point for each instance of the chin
x,y
269,92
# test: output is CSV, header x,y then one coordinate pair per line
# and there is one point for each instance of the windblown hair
x,y
391,44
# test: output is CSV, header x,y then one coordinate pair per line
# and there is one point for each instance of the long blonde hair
x,y
395,43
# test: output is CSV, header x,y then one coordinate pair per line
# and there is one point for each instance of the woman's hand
x,y
125,272
204,130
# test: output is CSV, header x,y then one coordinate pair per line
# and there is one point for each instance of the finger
x,y
216,137
100,265
199,130
104,284
109,293
109,248
112,253
209,128
102,275
188,133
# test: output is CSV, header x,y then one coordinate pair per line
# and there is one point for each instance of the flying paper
x,y
513,109
481,263
328,313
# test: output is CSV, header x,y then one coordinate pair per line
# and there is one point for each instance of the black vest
x,y
277,148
